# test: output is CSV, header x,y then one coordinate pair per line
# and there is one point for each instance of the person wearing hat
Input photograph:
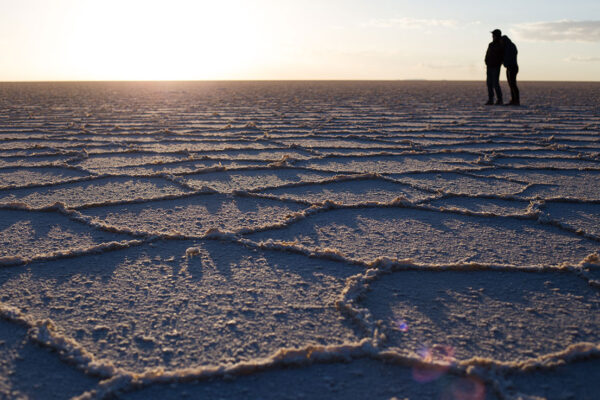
x,y
512,68
493,60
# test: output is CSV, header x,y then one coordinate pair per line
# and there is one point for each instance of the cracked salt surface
x,y
300,239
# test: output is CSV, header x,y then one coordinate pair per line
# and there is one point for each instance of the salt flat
x,y
299,240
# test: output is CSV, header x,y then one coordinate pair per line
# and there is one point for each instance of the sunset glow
x,y
234,39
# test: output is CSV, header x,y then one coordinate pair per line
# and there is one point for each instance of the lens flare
x,y
441,356
400,325
465,389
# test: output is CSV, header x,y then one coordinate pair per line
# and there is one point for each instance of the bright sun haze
x,y
267,39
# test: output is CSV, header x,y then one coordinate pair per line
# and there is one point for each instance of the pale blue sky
x,y
308,39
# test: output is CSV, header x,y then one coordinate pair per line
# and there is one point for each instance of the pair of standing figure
x,y
501,51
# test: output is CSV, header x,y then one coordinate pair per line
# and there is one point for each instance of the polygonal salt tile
x,y
482,205
392,164
97,191
462,184
98,163
582,185
36,176
352,192
185,167
151,306
575,380
577,216
206,145
496,315
27,234
267,154
359,379
559,163
433,237
14,162
196,214
29,371
228,181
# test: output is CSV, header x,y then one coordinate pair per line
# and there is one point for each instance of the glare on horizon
x,y
268,39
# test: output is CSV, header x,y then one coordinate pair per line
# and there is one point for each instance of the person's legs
x,y
496,83
493,84
511,77
490,85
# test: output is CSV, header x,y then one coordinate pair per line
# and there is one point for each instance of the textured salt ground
x,y
260,155
99,191
360,379
12,162
150,129
254,179
547,163
195,215
391,164
489,206
25,234
462,184
21,376
583,185
185,167
206,146
576,216
433,237
500,315
152,306
579,380
351,192
99,163
39,176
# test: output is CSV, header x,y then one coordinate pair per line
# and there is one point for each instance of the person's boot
x,y
490,102
499,102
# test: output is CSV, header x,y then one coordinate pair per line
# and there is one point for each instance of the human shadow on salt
x,y
495,315
27,234
357,379
195,215
164,305
433,237
30,371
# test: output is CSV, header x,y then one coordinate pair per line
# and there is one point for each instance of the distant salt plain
x,y
299,240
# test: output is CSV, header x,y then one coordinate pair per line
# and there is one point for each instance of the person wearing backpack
x,y
512,69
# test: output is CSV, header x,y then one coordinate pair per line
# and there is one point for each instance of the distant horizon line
x,y
276,80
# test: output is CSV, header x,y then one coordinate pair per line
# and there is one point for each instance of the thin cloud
x,y
582,59
409,23
559,31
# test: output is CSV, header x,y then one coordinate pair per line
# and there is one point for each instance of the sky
x,y
51,40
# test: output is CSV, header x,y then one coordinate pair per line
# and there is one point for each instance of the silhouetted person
x,y
512,69
493,61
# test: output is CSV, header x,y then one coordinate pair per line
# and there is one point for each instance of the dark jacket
x,y
494,54
510,53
